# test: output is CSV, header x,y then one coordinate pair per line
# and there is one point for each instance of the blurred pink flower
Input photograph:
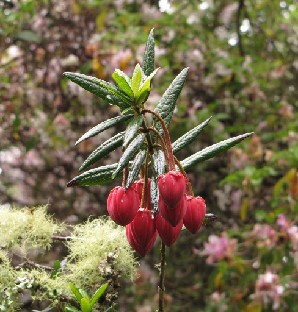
x,y
283,222
293,234
265,235
268,290
121,60
219,247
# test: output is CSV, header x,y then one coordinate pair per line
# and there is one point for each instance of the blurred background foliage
x,y
243,70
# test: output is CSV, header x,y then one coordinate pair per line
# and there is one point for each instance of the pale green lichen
x,y
26,228
8,289
97,253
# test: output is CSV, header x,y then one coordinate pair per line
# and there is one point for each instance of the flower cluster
x,y
132,208
268,289
219,247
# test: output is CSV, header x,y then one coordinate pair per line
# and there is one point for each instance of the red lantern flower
x,y
141,232
168,233
172,186
123,205
195,213
173,215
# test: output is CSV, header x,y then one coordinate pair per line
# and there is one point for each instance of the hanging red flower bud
x,y
141,232
138,186
195,213
123,205
168,233
173,215
172,186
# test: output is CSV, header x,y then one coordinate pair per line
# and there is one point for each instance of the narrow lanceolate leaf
x,y
129,153
103,126
75,291
189,137
103,150
123,82
148,62
166,105
98,294
97,176
100,88
135,168
212,150
136,79
132,129
159,162
154,195
85,305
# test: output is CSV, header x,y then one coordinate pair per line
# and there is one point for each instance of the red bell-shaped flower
x,y
141,232
173,215
138,186
123,205
172,186
195,213
168,233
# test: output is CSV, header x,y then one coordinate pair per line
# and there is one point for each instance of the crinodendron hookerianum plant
x,y
156,196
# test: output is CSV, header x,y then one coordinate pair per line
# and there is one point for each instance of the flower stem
x,y
161,284
166,136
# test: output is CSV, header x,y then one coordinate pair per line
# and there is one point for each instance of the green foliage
x,y
86,303
129,153
103,150
135,168
166,105
97,176
100,88
148,61
212,150
103,126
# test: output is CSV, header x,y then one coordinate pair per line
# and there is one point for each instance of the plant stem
x,y
166,136
144,200
161,284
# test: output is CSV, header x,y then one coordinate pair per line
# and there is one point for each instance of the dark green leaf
x,y
100,88
100,291
209,218
154,194
132,129
212,150
129,153
148,62
97,176
159,162
135,168
85,305
189,137
103,150
103,126
122,81
76,292
166,105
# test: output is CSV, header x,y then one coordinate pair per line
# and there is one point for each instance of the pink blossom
x,y
121,59
265,235
219,247
293,234
283,222
268,289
